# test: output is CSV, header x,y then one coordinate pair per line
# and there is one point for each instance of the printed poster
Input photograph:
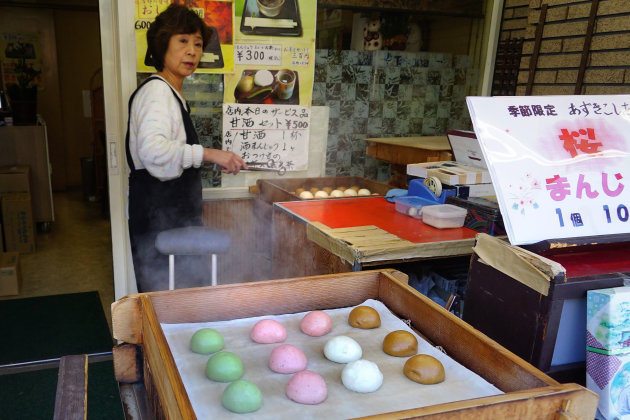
x,y
218,56
559,164
274,53
20,53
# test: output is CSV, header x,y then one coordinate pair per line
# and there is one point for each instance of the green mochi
x,y
224,367
242,396
206,341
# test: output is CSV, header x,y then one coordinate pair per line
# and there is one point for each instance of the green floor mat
x,y
31,395
49,327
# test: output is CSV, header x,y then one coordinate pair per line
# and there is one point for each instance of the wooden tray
x,y
529,393
277,190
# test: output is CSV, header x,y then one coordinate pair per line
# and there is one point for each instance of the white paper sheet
x,y
396,393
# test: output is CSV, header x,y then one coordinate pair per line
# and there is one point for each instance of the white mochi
x,y
342,349
362,376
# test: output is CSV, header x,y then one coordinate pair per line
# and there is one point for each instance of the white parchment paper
x,y
396,393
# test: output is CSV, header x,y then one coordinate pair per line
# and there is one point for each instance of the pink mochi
x,y
267,331
316,323
287,358
307,387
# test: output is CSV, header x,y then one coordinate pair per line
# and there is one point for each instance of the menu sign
x,y
272,137
559,164
274,52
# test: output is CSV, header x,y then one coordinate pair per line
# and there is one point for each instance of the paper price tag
x,y
258,54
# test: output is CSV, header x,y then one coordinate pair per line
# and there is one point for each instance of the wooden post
x,y
587,47
71,398
533,63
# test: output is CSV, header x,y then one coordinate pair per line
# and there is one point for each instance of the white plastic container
x,y
444,216
411,205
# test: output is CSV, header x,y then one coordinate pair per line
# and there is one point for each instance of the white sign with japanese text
x,y
269,136
559,164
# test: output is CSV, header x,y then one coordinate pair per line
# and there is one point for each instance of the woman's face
x,y
183,54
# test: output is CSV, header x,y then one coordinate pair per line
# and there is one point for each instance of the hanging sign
x,y
270,136
218,55
560,165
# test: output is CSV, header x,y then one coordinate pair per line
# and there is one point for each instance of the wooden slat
x,y
168,383
539,403
363,244
533,63
71,398
587,46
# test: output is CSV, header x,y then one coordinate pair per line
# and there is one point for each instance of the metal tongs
x,y
268,166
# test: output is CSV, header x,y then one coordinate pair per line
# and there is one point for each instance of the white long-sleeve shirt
x,y
157,138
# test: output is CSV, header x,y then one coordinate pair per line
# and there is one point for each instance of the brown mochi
x,y
328,190
424,369
364,317
314,190
299,191
400,343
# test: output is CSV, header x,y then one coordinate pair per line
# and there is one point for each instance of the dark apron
x,y
155,206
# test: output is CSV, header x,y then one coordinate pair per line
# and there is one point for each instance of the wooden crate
x,y
277,190
529,393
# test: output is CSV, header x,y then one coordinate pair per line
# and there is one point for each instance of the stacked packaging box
x,y
608,350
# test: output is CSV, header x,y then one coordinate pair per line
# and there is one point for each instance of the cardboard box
x,y
608,349
17,221
9,273
469,167
15,179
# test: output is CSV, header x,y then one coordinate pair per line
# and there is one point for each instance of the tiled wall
x,y
387,94
370,94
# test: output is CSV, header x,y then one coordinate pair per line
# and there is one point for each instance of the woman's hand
x,y
230,162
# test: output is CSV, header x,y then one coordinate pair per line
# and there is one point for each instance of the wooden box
x,y
529,393
542,297
277,190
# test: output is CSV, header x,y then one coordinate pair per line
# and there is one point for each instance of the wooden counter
x,y
405,150
401,151
332,236
528,393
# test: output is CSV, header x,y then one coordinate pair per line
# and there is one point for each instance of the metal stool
x,y
191,240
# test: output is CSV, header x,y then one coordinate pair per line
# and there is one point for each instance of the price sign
x,y
560,165
258,54
276,135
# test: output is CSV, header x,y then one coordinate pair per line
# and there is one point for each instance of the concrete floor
x,y
75,256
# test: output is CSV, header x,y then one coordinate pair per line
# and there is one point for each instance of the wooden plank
x,y
71,397
533,63
421,142
587,47
127,363
406,150
367,244
168,383
532,404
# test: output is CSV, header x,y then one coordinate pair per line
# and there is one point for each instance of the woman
x,y
163,152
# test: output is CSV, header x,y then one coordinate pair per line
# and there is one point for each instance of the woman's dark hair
x,y
176,19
